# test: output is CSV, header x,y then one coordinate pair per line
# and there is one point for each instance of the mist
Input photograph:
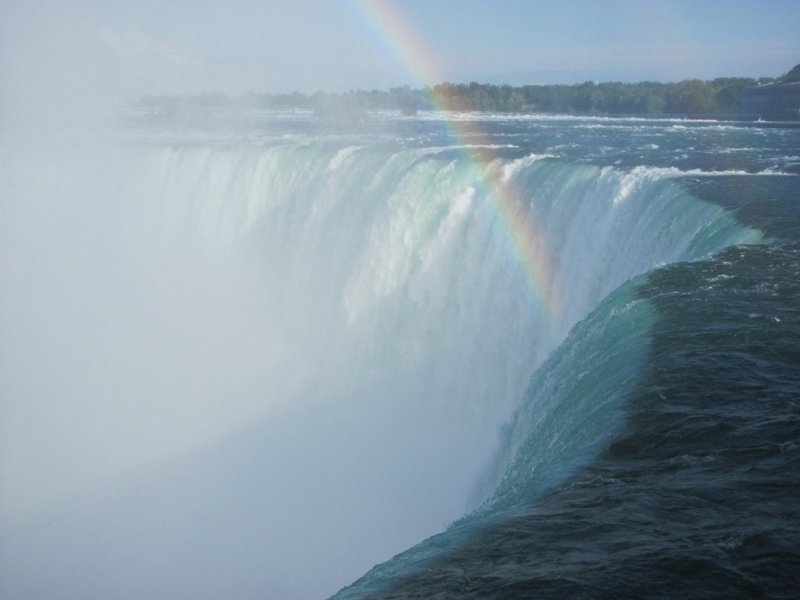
x,y
195,405
161,434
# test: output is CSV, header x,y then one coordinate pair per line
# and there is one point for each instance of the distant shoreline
x,y
719,98
187,113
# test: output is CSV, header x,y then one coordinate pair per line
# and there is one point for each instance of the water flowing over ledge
x,y
307,342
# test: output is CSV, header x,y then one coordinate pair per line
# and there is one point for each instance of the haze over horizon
x,y
117,51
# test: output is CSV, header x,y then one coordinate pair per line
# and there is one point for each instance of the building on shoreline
x,y
772,100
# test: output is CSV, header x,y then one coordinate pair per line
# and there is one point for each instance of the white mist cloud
x,y
135,46
172,428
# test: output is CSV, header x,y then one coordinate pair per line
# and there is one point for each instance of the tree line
x,y
691,97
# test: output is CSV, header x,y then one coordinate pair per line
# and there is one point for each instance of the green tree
x,y
793,75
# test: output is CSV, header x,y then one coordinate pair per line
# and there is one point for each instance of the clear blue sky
x,y
130,48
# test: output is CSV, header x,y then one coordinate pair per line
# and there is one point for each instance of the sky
x,y
123,50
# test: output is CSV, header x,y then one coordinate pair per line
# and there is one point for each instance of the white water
x,y
236,370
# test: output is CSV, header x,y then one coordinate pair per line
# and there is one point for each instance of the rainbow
x,y
525,240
